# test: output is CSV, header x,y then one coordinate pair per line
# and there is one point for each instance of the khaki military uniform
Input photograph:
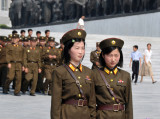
x,y
32,61
113,88
94,57
14,56
120,83
50,65
3,65
65,88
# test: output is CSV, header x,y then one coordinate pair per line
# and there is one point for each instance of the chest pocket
x,y
121,87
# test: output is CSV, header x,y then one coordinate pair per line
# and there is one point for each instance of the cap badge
x,y
113,42
79,33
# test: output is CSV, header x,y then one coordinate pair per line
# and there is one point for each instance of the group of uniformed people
x,y
28,62
77,91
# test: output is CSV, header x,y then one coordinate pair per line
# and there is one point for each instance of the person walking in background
x,y
146,69
81,23
94,57
136,61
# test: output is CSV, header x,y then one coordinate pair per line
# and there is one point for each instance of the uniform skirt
x,y
146,69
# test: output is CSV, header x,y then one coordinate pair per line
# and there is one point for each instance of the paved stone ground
x,y
146,102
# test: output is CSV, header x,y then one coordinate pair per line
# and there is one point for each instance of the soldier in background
x,y
61,51
25,45
22,33
14,56
47,34
14,32
51,57
26,42
30,32
41,46
3,61
94,57
32,64
38,34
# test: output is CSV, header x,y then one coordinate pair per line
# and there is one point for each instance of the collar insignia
x,y
73,68
110,72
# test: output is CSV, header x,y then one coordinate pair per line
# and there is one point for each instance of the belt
x,y
15,61
135,60
32,62
114,107
79,103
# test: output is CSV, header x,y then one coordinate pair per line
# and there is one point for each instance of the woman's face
x,y
148,47
77,52
112,58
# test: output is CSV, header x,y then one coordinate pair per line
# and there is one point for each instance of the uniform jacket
x,y
120,83
14,53
32,55
94,57
64,88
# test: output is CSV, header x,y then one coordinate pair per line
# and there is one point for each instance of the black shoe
x,y
17,94
45,92
154,82
49,94
32,94
24,92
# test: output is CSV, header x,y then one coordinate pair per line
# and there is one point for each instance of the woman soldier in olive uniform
x,y
73,93
112,85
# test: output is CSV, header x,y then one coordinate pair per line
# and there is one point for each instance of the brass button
x,y
81,86
111,72
111,80
76,69
113,98
79,77
79,95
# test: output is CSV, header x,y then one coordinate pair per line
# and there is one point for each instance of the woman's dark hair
x,y
67,46
109,50
149,44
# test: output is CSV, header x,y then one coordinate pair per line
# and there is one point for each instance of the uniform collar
x,y
73,67
111,71
32,48
98,52
51,47
15,45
